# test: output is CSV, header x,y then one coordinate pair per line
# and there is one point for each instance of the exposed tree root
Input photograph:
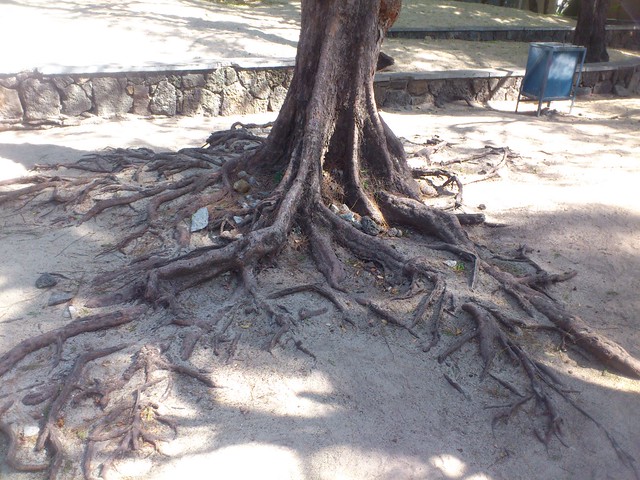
x,y
92,323
158,277
12,439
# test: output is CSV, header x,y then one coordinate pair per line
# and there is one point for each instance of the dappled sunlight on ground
x,y
12,169
262,461
288,397
465,14
112,36
440,55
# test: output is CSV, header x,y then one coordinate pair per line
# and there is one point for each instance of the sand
x,y
372,405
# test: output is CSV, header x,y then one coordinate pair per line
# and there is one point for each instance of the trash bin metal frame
x,y
551,73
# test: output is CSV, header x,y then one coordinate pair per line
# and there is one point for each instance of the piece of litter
x,y
31,430
451,263
200,219
57,298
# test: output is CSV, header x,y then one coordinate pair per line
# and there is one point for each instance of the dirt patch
x,y
371,404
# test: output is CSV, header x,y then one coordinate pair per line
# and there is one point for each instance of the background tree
x,y
591,29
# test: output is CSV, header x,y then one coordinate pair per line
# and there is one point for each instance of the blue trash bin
x,y
553,73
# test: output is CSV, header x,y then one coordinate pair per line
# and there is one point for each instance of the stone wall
x,y
32,98
402,90
398,90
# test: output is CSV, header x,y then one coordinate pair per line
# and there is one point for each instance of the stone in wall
x,y
418,87
507,88
435,86
217,80
604,83
236,100
75,100
10,106
255,82
398,83
200,101
494,84
423,101
163,99
276,99
279,77
61,81
501,36
9,82
451,90
605,86
480,88
193,80
210,102
634,82
379,91
40,99
190,104
85,84
175,80
141,99
110,96
621,91
397,99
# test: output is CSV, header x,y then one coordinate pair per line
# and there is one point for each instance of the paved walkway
x,y
67,36
88,36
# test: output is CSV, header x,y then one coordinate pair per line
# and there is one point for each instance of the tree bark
x,y
331,103
591,29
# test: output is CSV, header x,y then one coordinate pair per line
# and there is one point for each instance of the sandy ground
x,y
372,405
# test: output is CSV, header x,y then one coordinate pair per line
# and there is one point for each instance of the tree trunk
x,y
330,113
591,29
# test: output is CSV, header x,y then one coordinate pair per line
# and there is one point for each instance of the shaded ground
x,y
434,55
372,405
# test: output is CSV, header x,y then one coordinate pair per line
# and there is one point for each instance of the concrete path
x,y
116,35
76,36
